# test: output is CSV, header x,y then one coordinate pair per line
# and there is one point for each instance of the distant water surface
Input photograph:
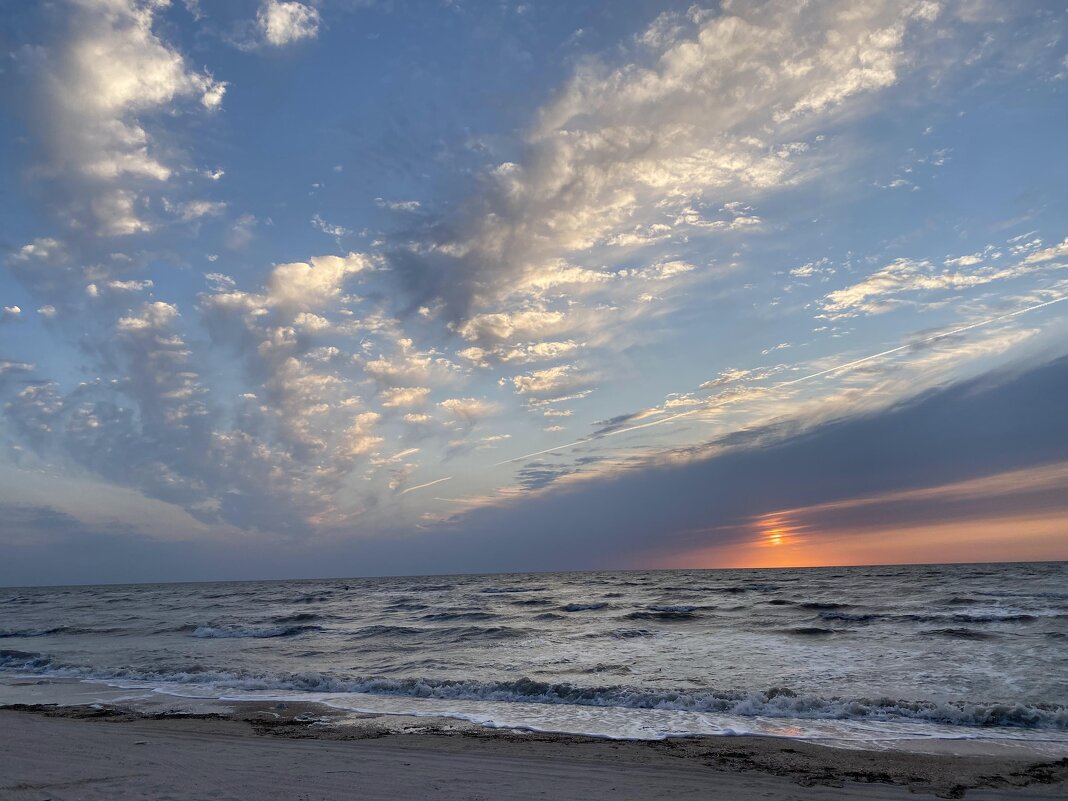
x,y
855,655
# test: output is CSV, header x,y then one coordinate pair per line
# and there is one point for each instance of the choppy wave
x,y
929,633
45,632
959,633
460,614
508,590
868,617
6,633
213,633
299,617
776,702
628,634
665,613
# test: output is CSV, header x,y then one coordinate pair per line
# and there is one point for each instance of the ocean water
x,y
861,656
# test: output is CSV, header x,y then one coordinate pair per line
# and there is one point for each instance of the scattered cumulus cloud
x,y
282,23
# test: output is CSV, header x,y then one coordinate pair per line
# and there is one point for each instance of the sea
x,y
861,657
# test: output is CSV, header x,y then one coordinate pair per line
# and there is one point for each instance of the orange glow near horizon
x,y
1028,521
776,531
1011,539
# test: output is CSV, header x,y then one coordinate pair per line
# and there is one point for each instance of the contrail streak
x,y
783,384
424,486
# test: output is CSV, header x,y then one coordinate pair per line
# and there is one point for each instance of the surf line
x,y
781,385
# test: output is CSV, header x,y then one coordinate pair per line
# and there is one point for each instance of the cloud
x,y
8,367
645,178
283,23
733,376
812,269
312,283
881,291
468,410
397,397
408,365
586,237
498,326
10,313
275,458
191,210
965,261
521,353
335,231
94,113
1048,254
773,348
641,142
1023,491
116,287
242,232
551,382
44,249
941,449
398,205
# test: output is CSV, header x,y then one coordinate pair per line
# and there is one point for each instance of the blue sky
x,y
355,287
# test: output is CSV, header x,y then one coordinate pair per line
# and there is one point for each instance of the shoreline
x,y
44,746
141,698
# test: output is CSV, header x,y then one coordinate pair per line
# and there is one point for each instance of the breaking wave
x,y
776,702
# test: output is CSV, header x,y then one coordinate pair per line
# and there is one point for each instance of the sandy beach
x,y
270,752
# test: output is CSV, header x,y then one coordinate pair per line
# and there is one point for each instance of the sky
x,y
359,287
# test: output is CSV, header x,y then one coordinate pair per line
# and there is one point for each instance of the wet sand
x,y
270,751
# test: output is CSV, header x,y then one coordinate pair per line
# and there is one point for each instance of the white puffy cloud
x,y
550,382
282,23
407,365
312,283
119,212
523,324
360,437
396,397
44,249
153,316
97,87
521,353
133,285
